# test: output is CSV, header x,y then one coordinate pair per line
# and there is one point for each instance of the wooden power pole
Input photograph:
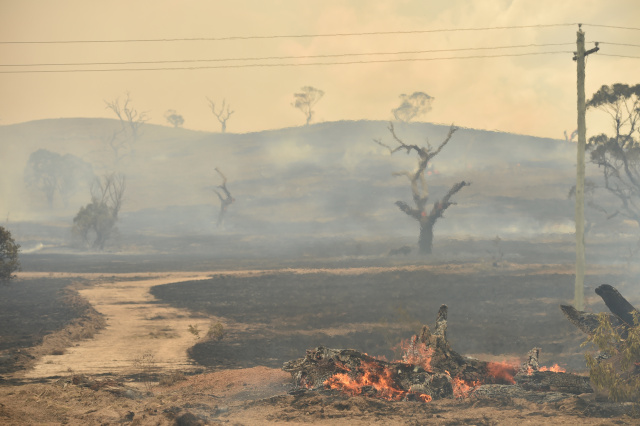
x,y
579,56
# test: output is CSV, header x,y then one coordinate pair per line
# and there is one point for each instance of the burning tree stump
x,y
428,370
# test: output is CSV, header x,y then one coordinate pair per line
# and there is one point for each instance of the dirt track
x,y
136,325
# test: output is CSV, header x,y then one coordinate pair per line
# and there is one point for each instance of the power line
x,y
619,44
287,57
259,37
612,26
619,56
283,64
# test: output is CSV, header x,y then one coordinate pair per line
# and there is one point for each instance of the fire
x,y
555,368
416,353
369,375
462,389
502,372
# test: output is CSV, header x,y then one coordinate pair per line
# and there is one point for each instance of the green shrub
x,y
619,372
216,331
9,262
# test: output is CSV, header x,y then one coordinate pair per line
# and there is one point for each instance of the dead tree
x,y
226,200
420,190
223,115
131,120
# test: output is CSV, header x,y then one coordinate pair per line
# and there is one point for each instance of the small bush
x,y
9,262
216,331
172,379
619,371
193,329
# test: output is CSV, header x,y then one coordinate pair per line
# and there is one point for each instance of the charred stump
x,y
429,369
621,316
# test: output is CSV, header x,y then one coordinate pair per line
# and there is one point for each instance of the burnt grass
x,y
497,313
29,310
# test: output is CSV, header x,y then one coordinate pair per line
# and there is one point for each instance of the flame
x,y
425,398
502,372
462,389
373,376
555,368
416,353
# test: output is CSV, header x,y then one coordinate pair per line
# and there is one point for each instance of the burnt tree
x,y
223,115
420,189
226,200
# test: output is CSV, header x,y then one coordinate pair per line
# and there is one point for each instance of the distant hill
x,y
318,181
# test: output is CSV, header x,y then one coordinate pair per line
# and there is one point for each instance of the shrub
x,y
9,262
216,331
617,370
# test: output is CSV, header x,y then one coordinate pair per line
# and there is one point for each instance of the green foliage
x,y
216,331
9,262
619,374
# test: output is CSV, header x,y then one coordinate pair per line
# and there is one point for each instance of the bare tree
x,y
420,190
306,99
121,141
412,106
175,119
222,115
226,200
97,219
618,156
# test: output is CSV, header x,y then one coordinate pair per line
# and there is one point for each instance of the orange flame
x,y
555,368
416,353
368,375
502,372
462,389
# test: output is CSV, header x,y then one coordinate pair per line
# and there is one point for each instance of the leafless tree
x,y
226,200
175,119
306,99
420,190
121,141
418,103
222,115
618,156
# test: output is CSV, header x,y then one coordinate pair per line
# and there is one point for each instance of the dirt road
x,y
136,325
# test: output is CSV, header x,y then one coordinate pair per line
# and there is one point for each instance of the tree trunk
x,y
425,242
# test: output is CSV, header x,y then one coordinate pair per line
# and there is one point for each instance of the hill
x,y
305,183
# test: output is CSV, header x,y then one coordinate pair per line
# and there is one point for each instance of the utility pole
x,y
579,56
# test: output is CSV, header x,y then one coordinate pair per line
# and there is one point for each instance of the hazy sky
x,y
533,94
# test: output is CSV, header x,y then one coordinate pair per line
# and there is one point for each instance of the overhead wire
x,y
337,55
263,37
267,65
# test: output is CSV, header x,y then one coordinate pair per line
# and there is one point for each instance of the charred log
x,y
588,322
617,304
429,369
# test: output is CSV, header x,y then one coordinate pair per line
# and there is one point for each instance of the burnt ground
x,y
274,316
494,313
29,311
